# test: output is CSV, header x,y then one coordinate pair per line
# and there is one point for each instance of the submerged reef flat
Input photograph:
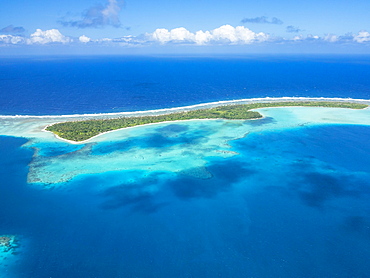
x,y
173,147
10,250
83,130
7,243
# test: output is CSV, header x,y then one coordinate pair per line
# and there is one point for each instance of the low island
x,y
83,130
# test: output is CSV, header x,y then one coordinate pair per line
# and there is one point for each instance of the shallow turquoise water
x,y
288,202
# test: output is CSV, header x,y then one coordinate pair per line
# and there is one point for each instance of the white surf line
x,y
186,108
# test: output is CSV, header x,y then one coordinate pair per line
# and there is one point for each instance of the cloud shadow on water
x,y
358,225
260,122
109,147
53,149
143,195
223,176
174,134
316,188
172,129
164,138
138,196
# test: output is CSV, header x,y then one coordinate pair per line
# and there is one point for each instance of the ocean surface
x,y
275,197
70,85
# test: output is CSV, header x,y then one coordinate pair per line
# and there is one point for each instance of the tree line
x,y
83,130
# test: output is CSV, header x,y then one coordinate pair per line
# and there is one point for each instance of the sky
x,y
192,26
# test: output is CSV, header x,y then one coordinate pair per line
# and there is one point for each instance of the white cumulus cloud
x,y
362,37
331,38
298,38
203,37
161,35
181,34
177,35
10,39
48,36
225,34
84,39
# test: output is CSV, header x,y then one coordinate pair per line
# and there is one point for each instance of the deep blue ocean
x,y
291,203
70,85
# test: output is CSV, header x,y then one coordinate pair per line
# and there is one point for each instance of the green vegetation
x,y
83,130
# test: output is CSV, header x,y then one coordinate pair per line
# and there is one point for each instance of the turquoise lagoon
x,y
283,196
